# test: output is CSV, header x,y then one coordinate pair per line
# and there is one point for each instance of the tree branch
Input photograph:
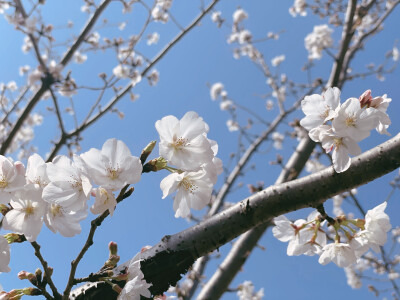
x,y
164,262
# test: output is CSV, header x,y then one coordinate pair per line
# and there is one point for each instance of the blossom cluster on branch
x,y
309,238
351,122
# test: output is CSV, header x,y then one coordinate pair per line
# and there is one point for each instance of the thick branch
x,y
171,257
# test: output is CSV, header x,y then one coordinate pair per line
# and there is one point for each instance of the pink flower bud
x,y
365,99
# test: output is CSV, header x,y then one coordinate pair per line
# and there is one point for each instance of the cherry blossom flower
x,y
318,40
12,178
4,255
79,58
342,147
26,217
69,184
183,142
246,292
216,90
136,284
278,139
284,230
377,224
276,61
339,253
66,222
381,105
105,199
239,15
36,175
353,121
121,71
153,38
193,191
320,108
298,8
395,54
113,166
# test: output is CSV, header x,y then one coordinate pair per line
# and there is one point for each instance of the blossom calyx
x,y
155,165
14,238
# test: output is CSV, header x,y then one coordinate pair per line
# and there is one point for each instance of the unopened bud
x,y
49,271
38,274
31,291
26,275
147,151
155,165
113,247
365,99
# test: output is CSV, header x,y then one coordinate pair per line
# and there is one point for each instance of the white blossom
x,y
277,60
342,147
136,284
4,255
26,217
278,139
318,40
320,108
153,38
216,90
193,191
113,166
232,125
246,292
339,253
69,185
183,142
79,58
12,178
298,8
239,15
395,54
104,200
216,17
353,280
354,122
36,175
59,219
121,71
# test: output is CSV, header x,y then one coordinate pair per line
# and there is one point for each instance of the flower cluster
x,y
351,122
184,144
318,40
136,286
56,193
246,292
308,237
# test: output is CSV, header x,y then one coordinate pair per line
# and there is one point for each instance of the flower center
x,y
350,122
188,185
56,210
113,173
3,182
338,142
325,113
75,183
29,210
179,143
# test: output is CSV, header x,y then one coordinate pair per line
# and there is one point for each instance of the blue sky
x,y
203,57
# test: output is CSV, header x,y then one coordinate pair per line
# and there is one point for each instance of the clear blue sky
x,y
202,57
